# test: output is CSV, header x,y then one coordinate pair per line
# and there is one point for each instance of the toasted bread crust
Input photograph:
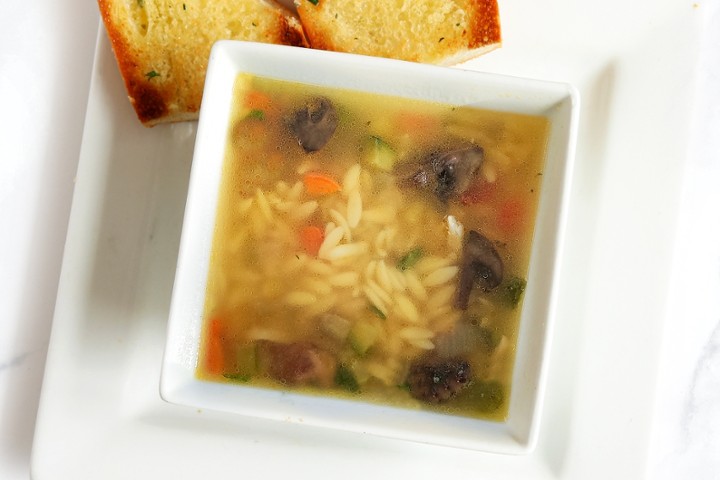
x,y
163,60
486,24
165,84
147,100
290,35
430,31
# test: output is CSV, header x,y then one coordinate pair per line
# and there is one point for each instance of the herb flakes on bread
x,y
431,31
162,46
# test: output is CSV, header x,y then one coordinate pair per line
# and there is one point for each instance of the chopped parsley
x,y
410,258
377,312
314,2
152,74
237,377
344,378
256,114
512,291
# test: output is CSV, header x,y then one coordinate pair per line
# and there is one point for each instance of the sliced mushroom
x,y
448,174
480,264
298,363
315,123
435,380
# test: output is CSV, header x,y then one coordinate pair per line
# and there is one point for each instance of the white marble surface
x,y
687,426
46,54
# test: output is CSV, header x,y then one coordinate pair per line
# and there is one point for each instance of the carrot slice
x,y
511,216
214,355
256,100
320,184
416,123
311,237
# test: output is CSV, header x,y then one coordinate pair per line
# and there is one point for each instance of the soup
x,y
371,247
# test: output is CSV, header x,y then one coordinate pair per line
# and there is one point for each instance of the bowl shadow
x,y
555,438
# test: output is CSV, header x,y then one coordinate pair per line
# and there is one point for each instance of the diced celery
x,y
245,365
379,154
363,335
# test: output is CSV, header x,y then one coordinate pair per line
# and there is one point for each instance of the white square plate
x,y
100,415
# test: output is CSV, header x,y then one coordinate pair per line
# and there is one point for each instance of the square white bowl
x,y
556,101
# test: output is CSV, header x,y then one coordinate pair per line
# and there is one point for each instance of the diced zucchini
x,y
379,154
245,365
363,335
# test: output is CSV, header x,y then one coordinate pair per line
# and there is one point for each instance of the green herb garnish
x,y
314,2
345,378
152,74
512,291
255,114
237,377
410,259
377,312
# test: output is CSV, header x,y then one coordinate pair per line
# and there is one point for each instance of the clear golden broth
x,y
265,286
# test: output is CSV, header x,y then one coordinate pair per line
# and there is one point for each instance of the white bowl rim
x,y
559,101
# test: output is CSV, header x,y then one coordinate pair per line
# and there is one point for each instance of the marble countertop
x,y
46,57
